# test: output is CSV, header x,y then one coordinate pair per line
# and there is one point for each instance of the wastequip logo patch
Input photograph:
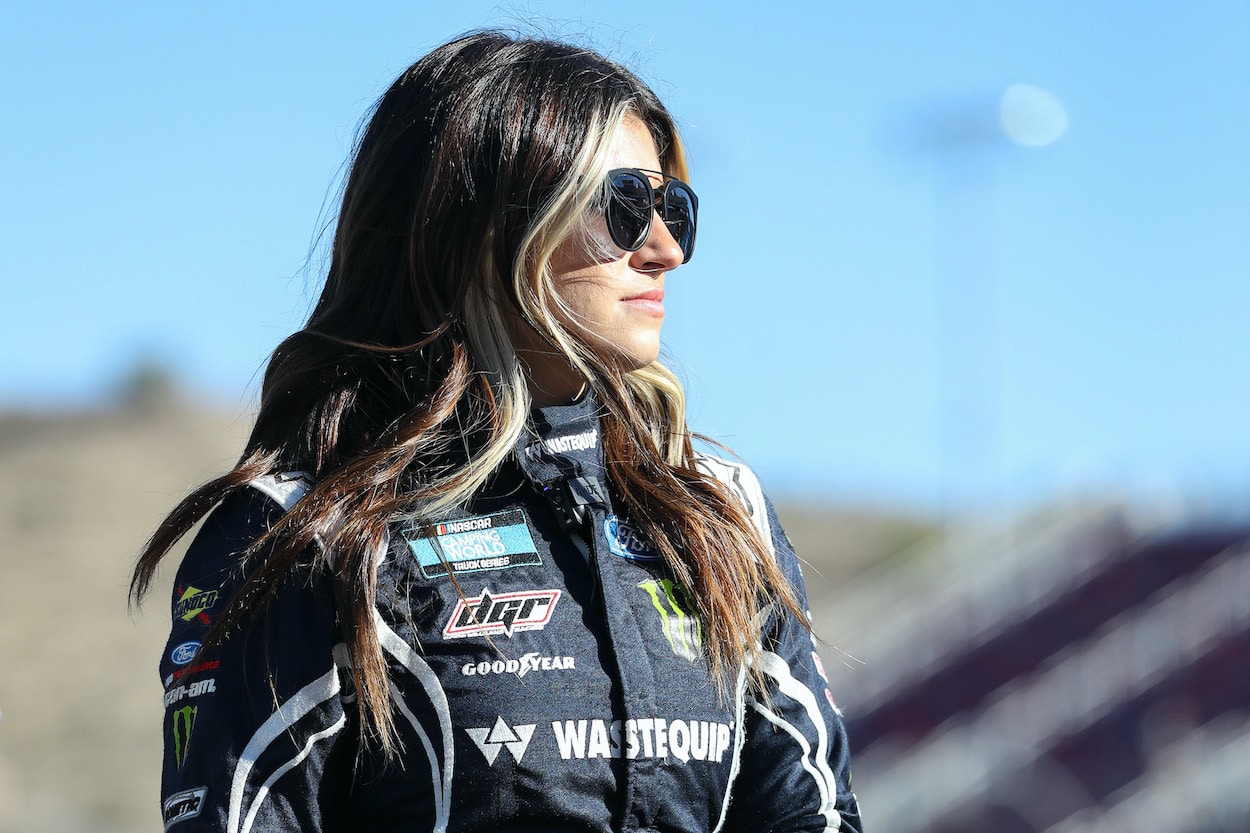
x,y
516,739
644,737
490,542
572,442
503,613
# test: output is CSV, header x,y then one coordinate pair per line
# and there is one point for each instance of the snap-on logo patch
x,y
504,613
489,542
184,805
626,541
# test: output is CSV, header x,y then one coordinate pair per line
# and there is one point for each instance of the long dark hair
x,y
404,392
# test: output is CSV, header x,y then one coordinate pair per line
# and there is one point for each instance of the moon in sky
x,y
1031,116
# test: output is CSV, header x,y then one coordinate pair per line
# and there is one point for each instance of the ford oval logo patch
x,y
184,653
627,542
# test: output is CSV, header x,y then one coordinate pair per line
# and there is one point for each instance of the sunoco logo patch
x,y
489,542
193,603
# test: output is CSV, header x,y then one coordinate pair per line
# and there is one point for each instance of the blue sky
x,y
877,310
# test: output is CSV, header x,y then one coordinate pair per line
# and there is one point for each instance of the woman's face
x,y
615,297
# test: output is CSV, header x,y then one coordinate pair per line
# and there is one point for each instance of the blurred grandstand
x,y
1068,675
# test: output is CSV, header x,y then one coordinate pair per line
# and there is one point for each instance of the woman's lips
x,y
650,302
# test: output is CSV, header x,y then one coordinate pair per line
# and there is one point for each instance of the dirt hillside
x,y
80,701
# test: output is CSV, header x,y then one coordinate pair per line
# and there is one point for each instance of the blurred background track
x,y
1072,673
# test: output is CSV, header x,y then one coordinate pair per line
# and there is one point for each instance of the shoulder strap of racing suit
x,y
741,481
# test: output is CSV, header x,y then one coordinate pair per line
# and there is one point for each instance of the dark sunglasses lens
x,y
629,210
680,215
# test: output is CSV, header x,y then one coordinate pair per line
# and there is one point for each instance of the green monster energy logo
x,y
683,630
184,722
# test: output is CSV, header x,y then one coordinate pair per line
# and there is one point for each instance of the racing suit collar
x,y
561,453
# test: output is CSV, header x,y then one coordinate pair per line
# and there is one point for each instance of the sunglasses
x,y
632,201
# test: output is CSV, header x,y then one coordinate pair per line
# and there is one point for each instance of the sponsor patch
x,y
179,673
184,805
572,442
626,541
184,653
195,689
490,542
183,724
678,619
526,663
643,737
193,603
503,613
820,669
820,666
515,738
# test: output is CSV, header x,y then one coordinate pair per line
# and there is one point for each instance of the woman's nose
x,y
660,251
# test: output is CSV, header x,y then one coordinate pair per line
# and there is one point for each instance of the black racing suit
x,y
566,689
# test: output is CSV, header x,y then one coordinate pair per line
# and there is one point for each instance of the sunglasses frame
x,y
658,198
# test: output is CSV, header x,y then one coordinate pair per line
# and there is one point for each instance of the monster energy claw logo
x,y
184,722
682,629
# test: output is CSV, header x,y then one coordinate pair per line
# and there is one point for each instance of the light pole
x,y
962,139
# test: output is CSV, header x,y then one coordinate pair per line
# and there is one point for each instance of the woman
x,y
469,573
